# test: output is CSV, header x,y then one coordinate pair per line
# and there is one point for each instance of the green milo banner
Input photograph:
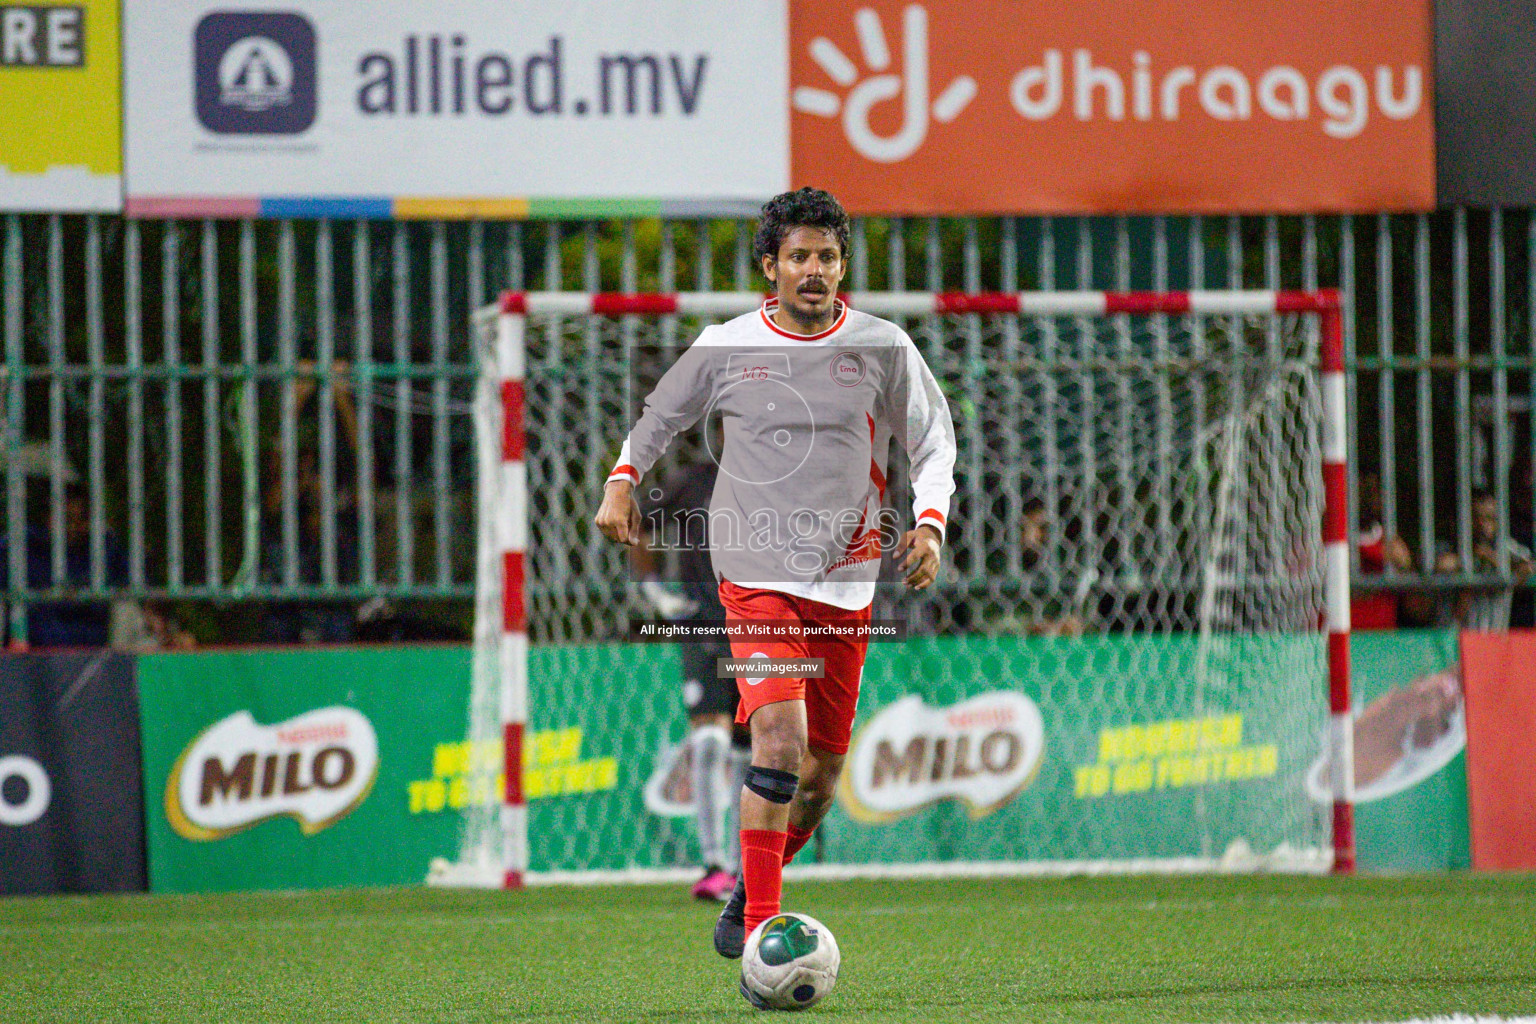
x,y
348,767
1095,748
1109,747
965,748
312,768
1410,751
297,768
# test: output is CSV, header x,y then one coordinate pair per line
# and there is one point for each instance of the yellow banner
x,y
60,106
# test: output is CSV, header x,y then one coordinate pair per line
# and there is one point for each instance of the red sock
x,y
762,867
797,838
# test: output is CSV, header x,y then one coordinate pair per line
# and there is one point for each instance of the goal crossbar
x,y
1037,303
505,321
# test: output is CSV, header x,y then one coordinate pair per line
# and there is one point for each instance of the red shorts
x,y
829,701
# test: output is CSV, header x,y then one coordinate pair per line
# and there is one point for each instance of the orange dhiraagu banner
x,y
1095,106
1499,674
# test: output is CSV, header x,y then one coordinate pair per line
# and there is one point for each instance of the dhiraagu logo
x,y
873,82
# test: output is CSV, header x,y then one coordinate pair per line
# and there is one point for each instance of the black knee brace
x,y
771,784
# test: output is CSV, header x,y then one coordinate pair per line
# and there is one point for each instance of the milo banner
x,y
1096,748
1040,749
965,748
1410,752
296,769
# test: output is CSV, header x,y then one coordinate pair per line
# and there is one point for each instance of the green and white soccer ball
x,y
790,962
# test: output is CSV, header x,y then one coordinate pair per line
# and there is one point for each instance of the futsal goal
x,y
1135,656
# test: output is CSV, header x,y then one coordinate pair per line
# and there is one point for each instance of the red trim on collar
x,y
775,328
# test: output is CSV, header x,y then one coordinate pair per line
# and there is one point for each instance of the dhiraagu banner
x,y
60,110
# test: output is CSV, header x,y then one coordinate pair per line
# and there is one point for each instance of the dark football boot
x,y
731,925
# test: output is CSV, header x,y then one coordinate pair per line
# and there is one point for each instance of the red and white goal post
x,y
496,852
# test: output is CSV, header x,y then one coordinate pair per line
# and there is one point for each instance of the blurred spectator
x,y
125,625
312,621
307,621
353,619
1485,540
1043,611
1486,608
1379,551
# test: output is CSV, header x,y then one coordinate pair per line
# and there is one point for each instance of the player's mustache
x,y
813,287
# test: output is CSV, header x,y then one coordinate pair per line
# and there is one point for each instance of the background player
x,y
676,515
861,384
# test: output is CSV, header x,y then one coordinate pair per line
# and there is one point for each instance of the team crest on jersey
x,y
848,369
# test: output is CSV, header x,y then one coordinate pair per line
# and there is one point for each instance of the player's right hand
x,y
619,516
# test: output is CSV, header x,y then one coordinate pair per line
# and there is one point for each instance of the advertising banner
x,y
299,769
1086,106
1410,752
71,819
469,108
1485,102
965,748
475,108
296,768
1501,723
60,116
1091,748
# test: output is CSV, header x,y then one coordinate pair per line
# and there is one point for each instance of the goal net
x,y
1124,664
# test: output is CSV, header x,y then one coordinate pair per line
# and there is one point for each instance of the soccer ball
x,y
789,963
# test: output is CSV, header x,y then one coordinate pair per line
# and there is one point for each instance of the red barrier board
x,y
1499,673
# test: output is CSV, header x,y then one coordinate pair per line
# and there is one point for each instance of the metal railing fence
x,y
277,410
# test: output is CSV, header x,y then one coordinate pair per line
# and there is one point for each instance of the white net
x,y
1134,552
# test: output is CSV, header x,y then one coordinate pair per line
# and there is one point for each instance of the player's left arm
x,y
929,437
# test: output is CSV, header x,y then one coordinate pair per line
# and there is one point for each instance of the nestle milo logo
x,y
982,752
315,768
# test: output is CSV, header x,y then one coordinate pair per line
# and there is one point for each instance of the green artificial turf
x,y
1233,949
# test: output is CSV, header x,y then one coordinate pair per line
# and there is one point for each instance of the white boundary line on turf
x,y
1294,862
1463,1018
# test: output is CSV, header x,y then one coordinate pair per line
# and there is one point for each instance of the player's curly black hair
x,y
803,208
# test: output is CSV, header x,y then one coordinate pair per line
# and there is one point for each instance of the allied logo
x,y
316,769
876,83
982,752
25,792
848,369
256,73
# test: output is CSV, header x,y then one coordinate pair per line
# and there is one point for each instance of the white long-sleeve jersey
x,y
808,425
